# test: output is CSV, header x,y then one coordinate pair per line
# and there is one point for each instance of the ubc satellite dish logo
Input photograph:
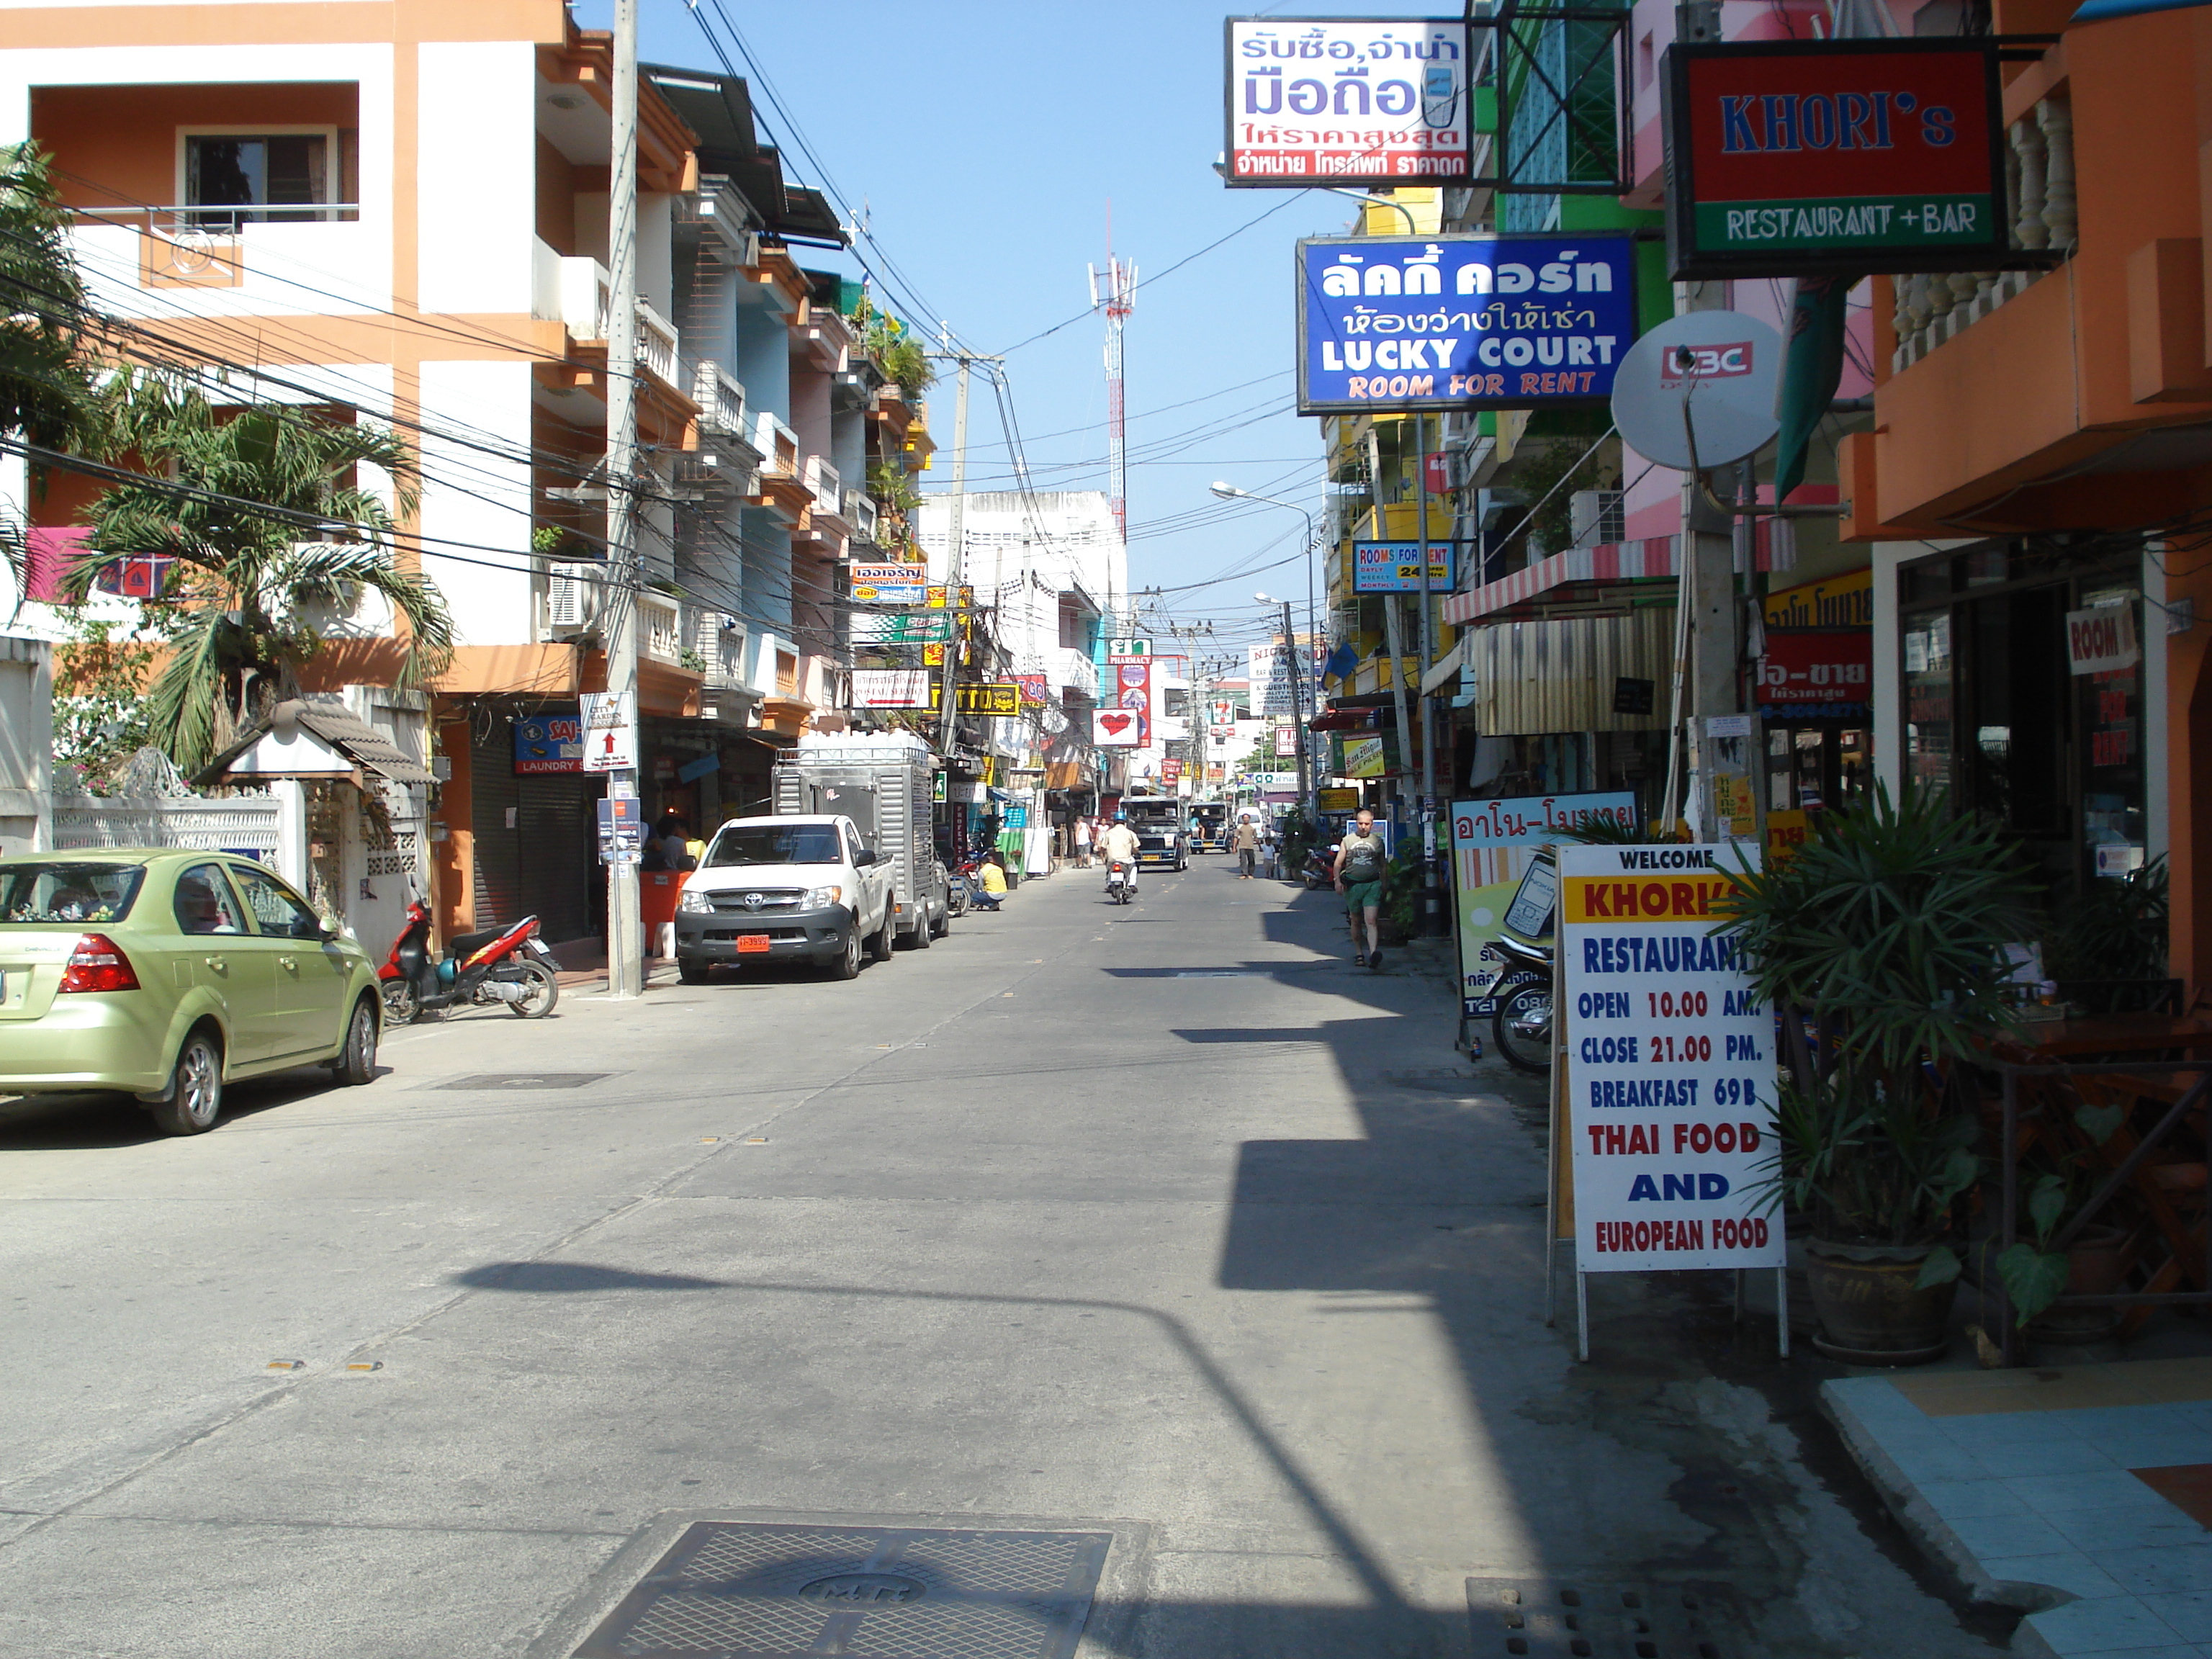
x,y
1703,362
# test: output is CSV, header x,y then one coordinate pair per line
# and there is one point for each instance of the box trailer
x,y
884,783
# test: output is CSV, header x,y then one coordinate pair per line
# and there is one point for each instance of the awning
x,y
1447,668
1654,556
1562,674
1360,717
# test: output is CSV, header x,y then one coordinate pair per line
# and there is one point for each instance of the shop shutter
x,y
559,861
495,880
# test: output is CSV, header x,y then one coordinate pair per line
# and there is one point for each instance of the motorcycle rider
x,y
1119,846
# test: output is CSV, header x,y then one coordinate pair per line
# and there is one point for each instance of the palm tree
x,y
45,394
270,527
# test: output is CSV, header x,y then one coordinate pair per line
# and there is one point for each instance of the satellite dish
x,y
1698,391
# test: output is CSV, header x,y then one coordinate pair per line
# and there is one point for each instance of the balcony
x,y
718,209
778,445
579,293
1931,310
859,512
719,642
827,487
660,628
252,248
721,400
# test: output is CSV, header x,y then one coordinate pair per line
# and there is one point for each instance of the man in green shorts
x,y
1362,864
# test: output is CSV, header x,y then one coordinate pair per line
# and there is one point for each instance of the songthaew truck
x,y
884,783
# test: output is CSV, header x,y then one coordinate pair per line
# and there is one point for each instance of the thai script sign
x,y
1844,601
1798,671
1395,566
548,743
1504,322
1788,158
1670,1063
1380,100
894,688
996,697
901,628
888,584
1493,843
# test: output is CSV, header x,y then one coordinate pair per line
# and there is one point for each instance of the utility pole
x,y
1432,898
955,559
625,937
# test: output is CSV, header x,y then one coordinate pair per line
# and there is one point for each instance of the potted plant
x,y
1882,938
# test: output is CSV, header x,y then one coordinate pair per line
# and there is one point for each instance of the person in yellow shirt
x,y
994,879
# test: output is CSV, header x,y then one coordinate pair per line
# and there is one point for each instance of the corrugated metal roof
x,y
1537,677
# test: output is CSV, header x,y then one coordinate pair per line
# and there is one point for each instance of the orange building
x,y
2036,486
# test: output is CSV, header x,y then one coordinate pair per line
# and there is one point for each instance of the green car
x,y
167,973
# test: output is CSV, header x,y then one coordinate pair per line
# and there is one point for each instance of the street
x,y
1161,1221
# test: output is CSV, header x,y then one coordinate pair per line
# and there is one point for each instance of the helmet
x,y
1121,817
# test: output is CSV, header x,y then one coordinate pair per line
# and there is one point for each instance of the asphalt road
x,y
1163,1220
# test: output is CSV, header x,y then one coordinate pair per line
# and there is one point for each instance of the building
x,y
272,193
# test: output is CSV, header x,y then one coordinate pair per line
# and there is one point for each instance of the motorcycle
x,y
1120,882
1320,869
1524,1020
513,967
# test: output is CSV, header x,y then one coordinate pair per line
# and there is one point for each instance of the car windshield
x,y
773,843
44,894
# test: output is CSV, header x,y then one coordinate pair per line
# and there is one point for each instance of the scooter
x,y
514,967
1320,869
1524,1020
1120,882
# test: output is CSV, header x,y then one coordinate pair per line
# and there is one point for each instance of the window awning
x,y
1613,561
311,737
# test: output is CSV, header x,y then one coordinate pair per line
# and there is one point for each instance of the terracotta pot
x,y
1870,1312
2096,1263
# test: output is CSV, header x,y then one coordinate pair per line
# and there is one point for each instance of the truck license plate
x,y
751,943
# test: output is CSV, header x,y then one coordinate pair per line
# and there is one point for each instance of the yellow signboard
x,y
990,698
1844,601
1339,800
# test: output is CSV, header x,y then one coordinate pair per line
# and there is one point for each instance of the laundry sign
x,y
2102,638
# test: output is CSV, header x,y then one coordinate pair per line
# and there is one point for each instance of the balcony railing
x,y
579,292
186,219
721,400
1932,309
778,445
719,639
661,627
860,514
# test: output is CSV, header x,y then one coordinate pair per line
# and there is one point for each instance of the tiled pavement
x,y
2092,1482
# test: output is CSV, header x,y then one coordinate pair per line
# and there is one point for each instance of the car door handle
x,y
293,963
219,964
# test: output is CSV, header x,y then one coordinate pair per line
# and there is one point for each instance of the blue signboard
x,y
1461,322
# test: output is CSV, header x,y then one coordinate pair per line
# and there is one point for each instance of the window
x,y
43,894
1071,623
793,843
277,912
204,903
254,175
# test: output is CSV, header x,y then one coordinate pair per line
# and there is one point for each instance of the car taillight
x,y
97,963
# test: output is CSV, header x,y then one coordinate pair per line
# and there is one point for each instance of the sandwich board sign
x,y
1664,1077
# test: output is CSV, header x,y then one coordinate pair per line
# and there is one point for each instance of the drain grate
x,y
733,1589
1544,1618
526,1080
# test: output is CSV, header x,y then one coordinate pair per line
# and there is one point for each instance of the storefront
x,y
2021,690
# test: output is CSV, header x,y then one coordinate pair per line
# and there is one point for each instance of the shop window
x,y
2110,706
2019,709
1928,694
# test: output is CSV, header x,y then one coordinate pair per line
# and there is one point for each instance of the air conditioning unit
x,y
573,594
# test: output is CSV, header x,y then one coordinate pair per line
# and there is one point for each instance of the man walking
x,y
1247,844
1082,842
1362,866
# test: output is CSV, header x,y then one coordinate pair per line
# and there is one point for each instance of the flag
x,y
1341,661
1811,365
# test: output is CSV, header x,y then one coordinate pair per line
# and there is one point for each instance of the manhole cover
x,y
1543,1617
526,1080
736,1589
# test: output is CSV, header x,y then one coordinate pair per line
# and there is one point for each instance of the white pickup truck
x,y
772,889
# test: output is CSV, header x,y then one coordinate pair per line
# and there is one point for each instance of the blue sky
x,y
984,142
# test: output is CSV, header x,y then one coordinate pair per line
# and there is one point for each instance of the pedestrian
x,y
1362,867
1247,845
1082,843
993,880
675,851
1269,851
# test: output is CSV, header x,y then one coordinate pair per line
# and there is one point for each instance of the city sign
x,y
1372,100
1128,650
1395,566
1461,321
901,628
1799,158
991,698
609,725
893,687
888,584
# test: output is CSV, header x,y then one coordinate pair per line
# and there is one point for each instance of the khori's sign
x,y
1376,100
1791,158
1458,322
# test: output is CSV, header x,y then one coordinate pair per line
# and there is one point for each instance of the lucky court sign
x,y
1459,322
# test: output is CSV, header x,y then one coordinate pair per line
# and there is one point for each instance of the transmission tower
x,y
1119,298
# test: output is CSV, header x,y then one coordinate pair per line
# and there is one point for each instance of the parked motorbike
x,y
1120,882
1523,1021
513,967
1320,869
956,891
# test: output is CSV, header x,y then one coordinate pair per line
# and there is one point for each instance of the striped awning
x,y
1611,561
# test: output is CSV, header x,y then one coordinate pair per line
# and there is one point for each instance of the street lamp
x,y
1230,492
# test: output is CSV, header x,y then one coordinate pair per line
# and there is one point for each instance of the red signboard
x,y
1795,157
1801,672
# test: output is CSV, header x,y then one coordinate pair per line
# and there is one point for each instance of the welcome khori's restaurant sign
x,y
1459,322
1790,158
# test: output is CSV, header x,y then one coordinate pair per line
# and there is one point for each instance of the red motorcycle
x,y
513,967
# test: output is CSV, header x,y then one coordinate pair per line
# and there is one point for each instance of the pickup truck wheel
x,y
886,940
943,925
925,934
846,964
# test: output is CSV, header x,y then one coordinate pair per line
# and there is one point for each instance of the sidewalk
x,y
2083,1490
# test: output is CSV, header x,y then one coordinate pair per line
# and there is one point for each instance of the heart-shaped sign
x,y
1116,724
